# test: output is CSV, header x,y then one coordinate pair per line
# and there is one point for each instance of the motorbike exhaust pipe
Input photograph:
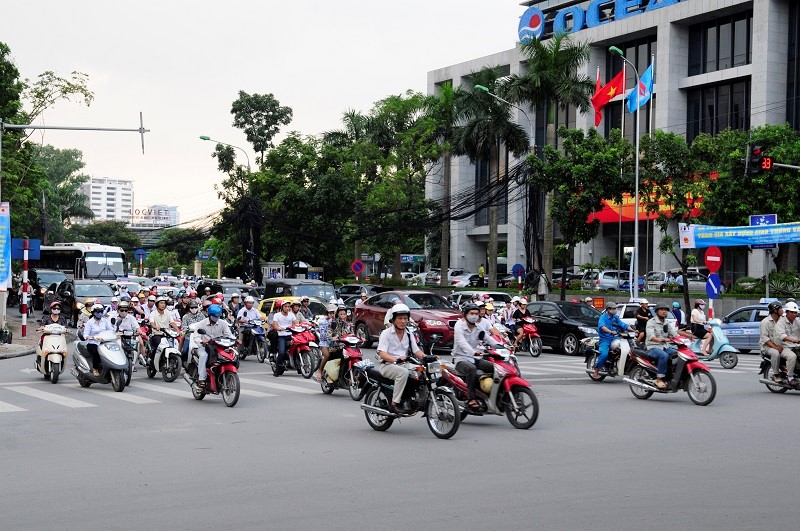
x,y
377,410
642,385
73,372
188,380
773,382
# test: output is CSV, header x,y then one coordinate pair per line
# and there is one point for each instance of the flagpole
x,y
620,254
652,64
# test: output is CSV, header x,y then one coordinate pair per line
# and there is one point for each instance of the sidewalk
x,y
20,346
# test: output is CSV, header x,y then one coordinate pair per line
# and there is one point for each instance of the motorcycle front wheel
x,y
527,411
117,380
353,385
443,415
306,365
376,421
261,355
728,360
229,388
703,392
55,371
535,347
326,386
172,368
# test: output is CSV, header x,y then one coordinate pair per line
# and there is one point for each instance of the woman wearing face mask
x,y
91,329
465,351
213,326
54,317
699,324
191,316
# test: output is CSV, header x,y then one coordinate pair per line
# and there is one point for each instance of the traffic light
x,y
757,162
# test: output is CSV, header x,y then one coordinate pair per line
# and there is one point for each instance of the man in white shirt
x,y
395,344
281,323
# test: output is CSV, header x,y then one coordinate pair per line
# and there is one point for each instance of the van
x,y
606,280
298,287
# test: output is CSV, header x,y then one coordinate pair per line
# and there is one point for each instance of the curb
x,y
18,354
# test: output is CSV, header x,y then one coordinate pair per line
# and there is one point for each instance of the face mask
x,y
472,319
55,312
213,318
98,315
193,310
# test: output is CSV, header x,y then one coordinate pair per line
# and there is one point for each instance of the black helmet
x,y
468,308
774,306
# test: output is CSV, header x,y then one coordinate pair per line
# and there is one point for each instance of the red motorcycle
x,y
343,373
503,391
684,372
299,354
223,371
531,342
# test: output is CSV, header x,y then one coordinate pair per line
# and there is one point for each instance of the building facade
x,y
717,64
109,199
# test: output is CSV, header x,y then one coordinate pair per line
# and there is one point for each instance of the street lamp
x,y
635,280
205,137
520,109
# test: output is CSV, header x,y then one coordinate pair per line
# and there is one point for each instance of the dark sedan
x,y
563,324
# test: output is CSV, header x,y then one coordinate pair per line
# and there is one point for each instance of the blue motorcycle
x,y
254,340
720,347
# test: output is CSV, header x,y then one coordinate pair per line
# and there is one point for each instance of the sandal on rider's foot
x,y
660,384
473,404
95,372
318,376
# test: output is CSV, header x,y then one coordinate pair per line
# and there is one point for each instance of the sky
x,y
182,63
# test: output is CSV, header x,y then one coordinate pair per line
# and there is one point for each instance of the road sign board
x,y
518,270
140,254
764,219
713,286
17,248
357,267
713,259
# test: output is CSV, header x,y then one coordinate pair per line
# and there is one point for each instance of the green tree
x,y
107,233
260,116
183,242
581,176
62,200
551,80
487,125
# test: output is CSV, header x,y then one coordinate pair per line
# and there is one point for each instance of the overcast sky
x,y
182,63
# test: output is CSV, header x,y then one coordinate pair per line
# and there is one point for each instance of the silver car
x,y
606,280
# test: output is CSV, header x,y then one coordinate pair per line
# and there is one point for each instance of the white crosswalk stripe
x,y
9,408
282,387
255,394
163,390
125,396
50,397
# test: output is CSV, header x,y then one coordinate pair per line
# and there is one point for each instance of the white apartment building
x,y
109,199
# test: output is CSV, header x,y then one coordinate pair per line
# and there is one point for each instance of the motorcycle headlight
x,y
433,322
588,331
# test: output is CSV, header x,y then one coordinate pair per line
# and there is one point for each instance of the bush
x,y
395,282
784,284
747,286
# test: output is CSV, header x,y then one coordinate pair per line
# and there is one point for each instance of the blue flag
x,y
645,89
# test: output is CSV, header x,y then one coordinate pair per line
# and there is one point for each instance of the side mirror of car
x,y
726,320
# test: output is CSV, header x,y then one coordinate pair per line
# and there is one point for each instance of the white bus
x,y
83,260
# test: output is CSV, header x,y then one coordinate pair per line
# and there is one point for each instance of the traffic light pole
x,y
789,166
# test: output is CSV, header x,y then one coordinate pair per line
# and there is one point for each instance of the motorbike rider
x,y
54,317
305,311
324,340
519,315
699,321
679,314
183,303
150,306
771,344
246,314
234,305
608,328
465,354
281,323
659,332
508,316
298,316
642,317
395,344
160,319
94,326
214,326
191,317
788,331
126,322
86,313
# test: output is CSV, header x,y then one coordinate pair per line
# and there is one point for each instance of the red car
x,y
434,315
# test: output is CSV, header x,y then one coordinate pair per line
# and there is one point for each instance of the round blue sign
x,y
518,270
531,24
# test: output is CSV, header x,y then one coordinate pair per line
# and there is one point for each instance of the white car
x,y
627,312
462,281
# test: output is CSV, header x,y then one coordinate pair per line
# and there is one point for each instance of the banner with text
x,y
701,236
5,246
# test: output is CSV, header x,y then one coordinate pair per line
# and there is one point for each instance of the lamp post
x,y
635,280
206,137
520,109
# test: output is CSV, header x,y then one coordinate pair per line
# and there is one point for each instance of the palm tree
x,y
487,123
444,110
552,80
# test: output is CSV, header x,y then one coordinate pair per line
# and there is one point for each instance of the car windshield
x,y
46,279
104,265
93,290
323,292
575,310
427,301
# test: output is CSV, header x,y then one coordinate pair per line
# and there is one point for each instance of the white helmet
x,y
790,307
234,294
399,309
515,298
249,299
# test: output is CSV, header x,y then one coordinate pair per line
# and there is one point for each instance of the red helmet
x,y
193,293
218,299
153,291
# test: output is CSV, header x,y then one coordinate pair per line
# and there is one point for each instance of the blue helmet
x,y
215,310
676,305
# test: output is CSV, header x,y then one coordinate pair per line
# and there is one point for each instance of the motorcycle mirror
x,y
481,335
68,293
666,329
201,331
113,320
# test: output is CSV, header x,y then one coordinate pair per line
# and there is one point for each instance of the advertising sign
x,y
5,246
764,219
701,236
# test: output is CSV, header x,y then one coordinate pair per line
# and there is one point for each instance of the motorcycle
x,y
616,364
720,347
131,348
52,351
684,372
766,370
531,342
298,352
342,373
113,362
421,394
255,341
502,392
167,358
223,371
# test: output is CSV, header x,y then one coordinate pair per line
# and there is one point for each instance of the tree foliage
x,y
260,116
107,233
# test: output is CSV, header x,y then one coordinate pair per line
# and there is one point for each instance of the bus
x,y
80,260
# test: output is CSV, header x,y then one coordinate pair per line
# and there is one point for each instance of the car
x,y
287,287
434,315
742,326
227,288
42,281
658,280
626,285
357,289
563,324
73,293
507,281
142,281
459,298
606,280
267,306
434,277
627,312
465,280
416,280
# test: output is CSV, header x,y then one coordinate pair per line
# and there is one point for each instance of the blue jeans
x,y
604,347
662,355
283,343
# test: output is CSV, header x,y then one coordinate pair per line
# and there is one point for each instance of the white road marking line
x,y
8,408
50,397
282,387
125,397
159,389
255,394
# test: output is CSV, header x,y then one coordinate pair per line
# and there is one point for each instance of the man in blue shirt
x,y
608,327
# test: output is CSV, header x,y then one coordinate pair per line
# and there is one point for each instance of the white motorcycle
x,y
167,357
52,351
113,362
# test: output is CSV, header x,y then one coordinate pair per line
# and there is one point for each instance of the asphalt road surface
x,y
289,457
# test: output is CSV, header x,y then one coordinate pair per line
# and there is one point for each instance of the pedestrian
x,y
481,273
543,287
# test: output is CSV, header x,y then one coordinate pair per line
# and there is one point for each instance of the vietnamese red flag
x,y
601,98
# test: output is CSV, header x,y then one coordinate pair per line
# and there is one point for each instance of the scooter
x,y
504,392
531,342
167,358
616,363
342,373
130,345
113,362
684,372
298,352
766,371
720,347
52,351
255,340
223,371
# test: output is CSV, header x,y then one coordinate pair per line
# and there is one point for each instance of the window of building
x,y
481,191
714,108
720,44
793,84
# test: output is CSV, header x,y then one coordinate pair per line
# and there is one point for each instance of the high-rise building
x,y
155,216
109,199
